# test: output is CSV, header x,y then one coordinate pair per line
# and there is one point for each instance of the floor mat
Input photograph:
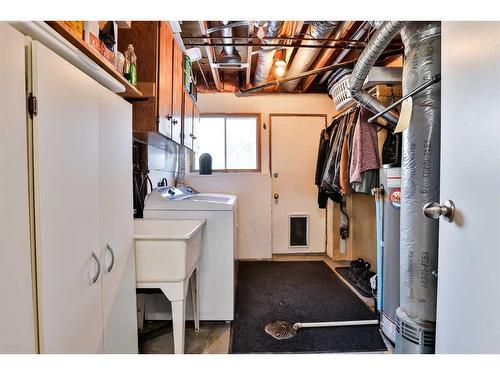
x,y
298,292
344,272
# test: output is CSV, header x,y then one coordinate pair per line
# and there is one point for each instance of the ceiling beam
x,y
327,54
248,74
210,55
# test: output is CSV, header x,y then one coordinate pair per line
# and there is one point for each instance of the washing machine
x,y
217,260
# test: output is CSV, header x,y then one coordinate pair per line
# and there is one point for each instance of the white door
x,y
66,175
17,319
298,225
117,224
468,300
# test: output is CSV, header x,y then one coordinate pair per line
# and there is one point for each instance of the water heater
x,y
390,182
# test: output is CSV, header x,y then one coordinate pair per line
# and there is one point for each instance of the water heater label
x,y
394,178
395,198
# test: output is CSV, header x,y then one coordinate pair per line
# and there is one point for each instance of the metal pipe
x,y
309,46
369,56
292,38
346,323
307,52
227,26
430,82
227,32
344,64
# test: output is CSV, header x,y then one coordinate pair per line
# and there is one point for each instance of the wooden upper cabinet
x,y
177,93
159,60
165,80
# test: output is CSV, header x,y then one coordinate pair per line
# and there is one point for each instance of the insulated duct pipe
x,y
265,60
369,56
416,315
305,56
228,54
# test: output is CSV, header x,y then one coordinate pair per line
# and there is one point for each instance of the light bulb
x,y
279,68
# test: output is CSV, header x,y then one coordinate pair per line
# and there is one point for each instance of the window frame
x,y
257,117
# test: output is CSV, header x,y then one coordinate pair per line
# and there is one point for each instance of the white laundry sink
x,y
166,250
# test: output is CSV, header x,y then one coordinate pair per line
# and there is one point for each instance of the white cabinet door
x,y
468,298
66,175
17,320
117,224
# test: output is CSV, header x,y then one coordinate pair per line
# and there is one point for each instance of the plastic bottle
x,y
130,66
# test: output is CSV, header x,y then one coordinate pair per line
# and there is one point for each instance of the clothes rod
x,y
412,93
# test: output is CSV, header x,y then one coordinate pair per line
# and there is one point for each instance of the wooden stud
x,y
210,54
327,54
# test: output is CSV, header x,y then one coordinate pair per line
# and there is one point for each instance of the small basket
x,y
340,92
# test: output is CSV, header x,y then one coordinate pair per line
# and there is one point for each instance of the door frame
x,y
270,141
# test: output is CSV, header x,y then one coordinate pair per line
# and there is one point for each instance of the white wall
x,y
254,189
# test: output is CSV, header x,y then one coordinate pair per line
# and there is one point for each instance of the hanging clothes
x,y
327,139
345,159
364,150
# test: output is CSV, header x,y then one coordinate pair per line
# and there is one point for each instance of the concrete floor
x,y
214,337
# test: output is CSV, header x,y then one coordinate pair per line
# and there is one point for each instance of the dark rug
x,y
298,292
344,273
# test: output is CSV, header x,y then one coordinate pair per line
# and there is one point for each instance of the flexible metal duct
x,y
370,54
420,171
228,54
305,56
265,60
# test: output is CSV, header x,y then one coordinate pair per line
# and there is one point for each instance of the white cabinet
x,y
17,319
82,141
116,209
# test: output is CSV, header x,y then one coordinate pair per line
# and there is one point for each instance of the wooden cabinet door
x,y
66,178
187,121
117,231
177,93
165,80
196,124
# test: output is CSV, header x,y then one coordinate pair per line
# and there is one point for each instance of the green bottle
x,y
131,63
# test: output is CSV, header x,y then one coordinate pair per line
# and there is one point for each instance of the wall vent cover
x,y
299,231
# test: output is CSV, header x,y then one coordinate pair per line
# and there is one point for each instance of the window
x,y
231,140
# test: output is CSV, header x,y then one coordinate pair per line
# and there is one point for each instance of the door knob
x,y
276,196
434,210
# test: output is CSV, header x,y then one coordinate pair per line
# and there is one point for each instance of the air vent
x,y
299,231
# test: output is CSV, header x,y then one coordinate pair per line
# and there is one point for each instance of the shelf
x,y
148,89
131,92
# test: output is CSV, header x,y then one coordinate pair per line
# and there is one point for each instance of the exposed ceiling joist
x,y
327,54
248,73
210,55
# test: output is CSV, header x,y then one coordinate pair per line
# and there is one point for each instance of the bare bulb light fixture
x,y
279,68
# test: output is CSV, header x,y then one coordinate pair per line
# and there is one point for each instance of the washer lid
x,y
196,202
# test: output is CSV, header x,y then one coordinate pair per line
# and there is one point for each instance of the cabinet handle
x,y
94,279
174,121
110,249
169,117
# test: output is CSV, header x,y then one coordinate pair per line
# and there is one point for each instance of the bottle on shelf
x,y
130,66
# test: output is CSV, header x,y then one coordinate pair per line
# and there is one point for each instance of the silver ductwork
x,y
265,60
377,44
305,56
419,185
228,55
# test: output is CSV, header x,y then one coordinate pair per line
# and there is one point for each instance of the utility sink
x,y
166,257
166,250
